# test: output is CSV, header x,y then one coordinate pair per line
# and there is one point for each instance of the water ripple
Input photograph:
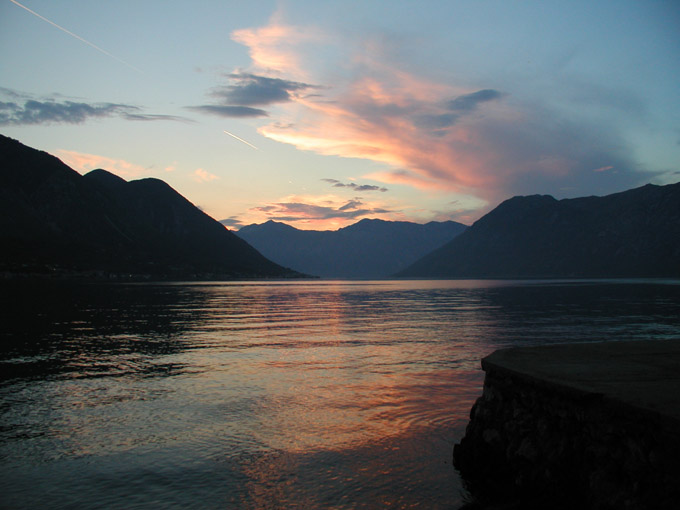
x,y
271,395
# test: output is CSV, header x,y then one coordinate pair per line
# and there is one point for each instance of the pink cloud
x,y
380,123
200,175
430,135
320,212
84,163
276,47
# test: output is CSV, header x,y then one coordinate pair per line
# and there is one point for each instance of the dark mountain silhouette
x,y
367,249
52,219
635,233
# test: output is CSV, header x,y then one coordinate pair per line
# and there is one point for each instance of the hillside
x,y
635,233
367,249
53,220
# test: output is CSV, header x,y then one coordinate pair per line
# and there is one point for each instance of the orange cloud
x,y
276,47
431,135
375,123
381,117
201,175
321,212
84,163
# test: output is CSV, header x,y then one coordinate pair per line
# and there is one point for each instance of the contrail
x,y
76,36
241,140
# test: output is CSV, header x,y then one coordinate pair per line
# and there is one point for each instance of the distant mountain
x,y
367,249
52,219
631,234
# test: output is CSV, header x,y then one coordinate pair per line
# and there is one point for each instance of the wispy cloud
x,y
455,110
482,141
67,112
354,186
470,102
317,212
30,111
232,222
14,94
276,48
201,175
383,120
296,211
146,117
229,110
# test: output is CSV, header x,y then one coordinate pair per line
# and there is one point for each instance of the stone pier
x,y
593,425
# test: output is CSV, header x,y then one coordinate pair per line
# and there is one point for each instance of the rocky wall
x,y
533,444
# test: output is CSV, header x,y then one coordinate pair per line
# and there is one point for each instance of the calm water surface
x,y
271,395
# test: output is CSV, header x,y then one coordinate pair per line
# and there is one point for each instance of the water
x,y
271,395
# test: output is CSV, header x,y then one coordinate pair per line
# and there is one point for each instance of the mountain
x,y
52,219
635,233
367,249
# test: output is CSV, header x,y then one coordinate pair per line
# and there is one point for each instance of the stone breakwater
x,y
577,426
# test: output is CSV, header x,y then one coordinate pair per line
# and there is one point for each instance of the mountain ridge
x,y
634,233
54,220
370,248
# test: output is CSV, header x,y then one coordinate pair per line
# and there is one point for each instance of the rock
x,y
539,444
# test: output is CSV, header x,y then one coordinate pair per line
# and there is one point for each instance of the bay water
x,y
290,394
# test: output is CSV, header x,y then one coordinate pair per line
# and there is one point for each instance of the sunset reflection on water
x,y
270,395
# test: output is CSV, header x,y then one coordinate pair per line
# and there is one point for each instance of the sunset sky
x,y
319,114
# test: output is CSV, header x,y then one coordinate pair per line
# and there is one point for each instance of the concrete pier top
x,y
591,425
641,374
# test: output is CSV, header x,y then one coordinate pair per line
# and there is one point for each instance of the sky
x,y
320,114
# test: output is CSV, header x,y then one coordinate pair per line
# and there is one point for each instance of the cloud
x,y
296,211
469,102
46,112
14,94
319,210
254,90
437,121
247,90
232,222
84,163
458,107
30,111
276,48
352,205
152,117
381,118
354,186
482,140
229,110
200,175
